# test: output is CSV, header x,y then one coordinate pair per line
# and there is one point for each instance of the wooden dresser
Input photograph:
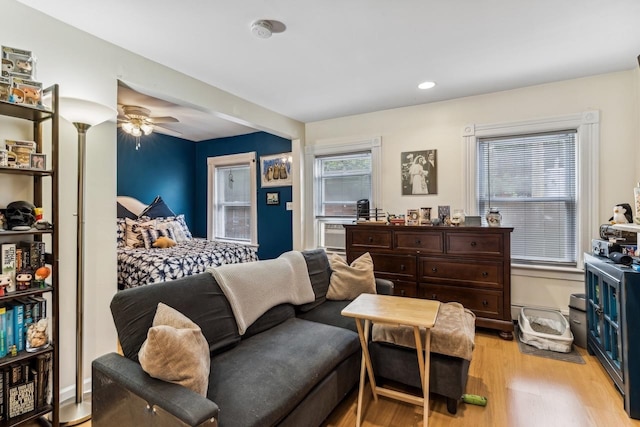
x,y
470,265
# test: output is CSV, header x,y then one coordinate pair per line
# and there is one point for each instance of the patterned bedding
x,y
138,267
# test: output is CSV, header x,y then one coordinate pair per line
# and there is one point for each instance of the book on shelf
x,y
3,331
9,323
9,264
18,325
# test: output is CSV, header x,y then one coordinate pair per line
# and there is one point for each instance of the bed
x,y
140,263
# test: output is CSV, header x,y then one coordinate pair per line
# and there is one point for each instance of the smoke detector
x,y
262,29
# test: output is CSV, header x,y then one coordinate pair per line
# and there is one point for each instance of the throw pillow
x,y
134,231
121,233
157,209
124,212
349,281
176,351
150,235
174,226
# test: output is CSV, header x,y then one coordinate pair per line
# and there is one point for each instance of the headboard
x,y
132,204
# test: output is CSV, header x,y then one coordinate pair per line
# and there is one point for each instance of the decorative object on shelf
x,y
621,214
273,198
83,114
413,217
472,221
37,336
636,198
494,217
21,215
444,214
38,161
425,216
419,172
275,170
458,217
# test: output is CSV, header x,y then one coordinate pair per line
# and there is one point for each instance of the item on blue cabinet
x,y
604,247
607,232
620,258
621,214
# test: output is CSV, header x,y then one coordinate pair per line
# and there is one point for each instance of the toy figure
x,y
5,281
31,95
17,96
23,279
24,66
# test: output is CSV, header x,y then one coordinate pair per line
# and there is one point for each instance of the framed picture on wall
x,y
275,170
419,172
273,198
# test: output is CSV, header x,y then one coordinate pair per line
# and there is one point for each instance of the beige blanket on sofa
x,y
453,333
252,288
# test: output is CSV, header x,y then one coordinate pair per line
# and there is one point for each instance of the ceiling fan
x,y
137,121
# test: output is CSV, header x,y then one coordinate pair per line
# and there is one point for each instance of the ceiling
x,y
343,57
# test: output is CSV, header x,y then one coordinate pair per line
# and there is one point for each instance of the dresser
x,y
613,325
470,265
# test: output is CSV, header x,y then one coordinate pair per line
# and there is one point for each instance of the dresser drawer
x,y
484,303
403,289
370,238
474,244
389,266
484,274
425,242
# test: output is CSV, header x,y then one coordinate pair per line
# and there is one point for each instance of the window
x,y
232,198
532,180
342,180
338,175
543,177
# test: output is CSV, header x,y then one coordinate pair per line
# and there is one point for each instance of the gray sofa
x,y
292,367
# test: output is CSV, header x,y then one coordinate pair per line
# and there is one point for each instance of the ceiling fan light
x,y
136,131
127,127
146,128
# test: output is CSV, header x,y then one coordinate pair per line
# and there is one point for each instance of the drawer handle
x,y
434,296
418,241
402,292
434,269
370,239
484,302
473,244
485,274
402,267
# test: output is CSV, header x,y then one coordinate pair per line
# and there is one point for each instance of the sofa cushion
x,y
349,281
198,297
329,313
286,362
176,351
274,316
319,274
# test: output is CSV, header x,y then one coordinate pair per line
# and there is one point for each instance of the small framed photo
x,y
413,217
38,161
273,198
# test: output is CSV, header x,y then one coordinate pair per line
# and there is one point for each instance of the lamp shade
x,y
86,112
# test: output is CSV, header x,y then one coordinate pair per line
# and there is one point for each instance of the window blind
x,y
532,180
342,180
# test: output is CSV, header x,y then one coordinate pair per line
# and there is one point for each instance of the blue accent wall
x,y
163,165
274,221
176,169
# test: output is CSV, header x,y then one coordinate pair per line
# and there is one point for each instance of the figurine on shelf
x,y
5,282
23,279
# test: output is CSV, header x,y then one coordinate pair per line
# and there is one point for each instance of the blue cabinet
x,y
613,325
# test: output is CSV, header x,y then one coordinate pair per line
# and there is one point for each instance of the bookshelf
x,y
26,369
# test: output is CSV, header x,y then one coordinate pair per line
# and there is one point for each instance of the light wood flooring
x,y
522,391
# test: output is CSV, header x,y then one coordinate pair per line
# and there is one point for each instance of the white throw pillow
x,y
349,281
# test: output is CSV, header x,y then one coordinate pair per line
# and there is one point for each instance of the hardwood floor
x,y
522,391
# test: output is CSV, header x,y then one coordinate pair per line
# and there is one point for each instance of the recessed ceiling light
x,y
426,85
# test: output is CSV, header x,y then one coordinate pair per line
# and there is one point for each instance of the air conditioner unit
x,y
333,236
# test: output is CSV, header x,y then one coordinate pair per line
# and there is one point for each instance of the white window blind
x,y
342,180
233,203
532,180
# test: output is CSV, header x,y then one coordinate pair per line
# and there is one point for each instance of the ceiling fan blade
x,y
164,119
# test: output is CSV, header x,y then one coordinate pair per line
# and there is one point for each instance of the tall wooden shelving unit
x,y
38,118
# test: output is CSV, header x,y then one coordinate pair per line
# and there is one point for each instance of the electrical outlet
x,y
289,206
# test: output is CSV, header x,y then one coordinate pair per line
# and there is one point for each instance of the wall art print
x,y
275,170
419,172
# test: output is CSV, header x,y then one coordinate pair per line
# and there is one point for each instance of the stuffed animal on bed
x,y
163,242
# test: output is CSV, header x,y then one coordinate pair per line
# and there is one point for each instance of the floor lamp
x,y
83,114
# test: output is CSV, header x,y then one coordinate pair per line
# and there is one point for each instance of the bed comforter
x,y
138,267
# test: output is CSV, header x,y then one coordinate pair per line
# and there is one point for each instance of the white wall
x,y
439,126
88,68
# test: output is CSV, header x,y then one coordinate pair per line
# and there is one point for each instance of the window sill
x,y
548,272
253,245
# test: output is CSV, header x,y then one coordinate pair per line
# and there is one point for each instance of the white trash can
x,y
578,319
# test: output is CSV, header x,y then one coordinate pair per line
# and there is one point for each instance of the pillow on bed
x,y
124,212
150,235
175,227
157,209
121,233
179,223
134,231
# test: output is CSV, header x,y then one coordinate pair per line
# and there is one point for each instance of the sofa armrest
x,y
122,390
384,286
